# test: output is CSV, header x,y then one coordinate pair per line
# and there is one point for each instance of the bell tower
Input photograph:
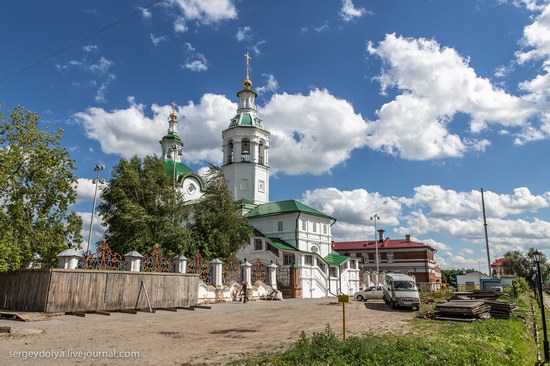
x,y
245,149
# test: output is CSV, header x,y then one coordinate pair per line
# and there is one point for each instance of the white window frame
x,y
279,226
304,225
314,227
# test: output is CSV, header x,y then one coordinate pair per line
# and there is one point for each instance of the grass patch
x,y
429,342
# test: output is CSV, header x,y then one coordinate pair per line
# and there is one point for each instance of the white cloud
x,y
130,131
243,34
179,25
305,138
100,93
311,133
98,230
436,83
256,47
322,28
353,210
90,48
272,85
536,37
146,13
85,189
102,65
349,12
206,12
195,61
157,39
450,203
531,5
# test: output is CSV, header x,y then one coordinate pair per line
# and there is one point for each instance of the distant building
x,y
498,271
396,256
471,280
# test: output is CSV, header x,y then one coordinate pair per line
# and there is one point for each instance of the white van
x,y
401,290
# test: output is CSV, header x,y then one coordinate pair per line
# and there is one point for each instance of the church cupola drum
x,y
245,149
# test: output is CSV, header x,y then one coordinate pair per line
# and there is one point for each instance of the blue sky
x,y
401,108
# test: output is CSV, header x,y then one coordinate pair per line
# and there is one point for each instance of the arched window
x,y
245,149
230,152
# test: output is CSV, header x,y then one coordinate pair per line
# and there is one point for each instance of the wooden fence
x,y
61,290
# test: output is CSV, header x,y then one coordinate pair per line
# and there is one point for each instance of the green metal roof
x,y
335,259
181,169
282,207
171,136
281,244
245,200
246,120
276,242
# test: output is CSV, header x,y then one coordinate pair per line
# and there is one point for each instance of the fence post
x,y
272,274
133,261
247,271
216,272
180,264
68,259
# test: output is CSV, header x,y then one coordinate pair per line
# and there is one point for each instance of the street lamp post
x,y
97,168
537,256
376,217
535,284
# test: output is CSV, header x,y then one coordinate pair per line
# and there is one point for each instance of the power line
x,y
79,41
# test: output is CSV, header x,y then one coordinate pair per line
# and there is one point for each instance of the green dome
x,y
246,120
171,136
181,169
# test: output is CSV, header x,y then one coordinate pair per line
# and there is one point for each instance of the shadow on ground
x,y
380,306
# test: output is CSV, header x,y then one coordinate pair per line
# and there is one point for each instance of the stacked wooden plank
x,y
464,310
501,310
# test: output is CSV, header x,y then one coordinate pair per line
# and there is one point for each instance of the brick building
x,y
396,256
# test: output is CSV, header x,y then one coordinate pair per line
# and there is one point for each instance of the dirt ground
x,y
205,336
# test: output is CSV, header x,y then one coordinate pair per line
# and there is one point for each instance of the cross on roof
x,y
247,57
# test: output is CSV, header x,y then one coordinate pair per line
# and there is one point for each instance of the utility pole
x,y
97,168
486,236
376,217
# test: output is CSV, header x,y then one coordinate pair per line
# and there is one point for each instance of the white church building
x,y
287,233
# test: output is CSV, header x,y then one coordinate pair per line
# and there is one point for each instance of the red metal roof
x,y
371,244
497,262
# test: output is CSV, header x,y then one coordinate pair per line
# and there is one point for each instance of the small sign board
x,y
343,298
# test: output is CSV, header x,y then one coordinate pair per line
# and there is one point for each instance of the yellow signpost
x,y
343,299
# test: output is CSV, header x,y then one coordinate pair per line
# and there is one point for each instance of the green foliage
x,y
488,342
449,275
140,209
522,265
37,186
520,286
218,229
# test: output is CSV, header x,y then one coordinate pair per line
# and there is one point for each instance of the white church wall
x,y
317,236
269,226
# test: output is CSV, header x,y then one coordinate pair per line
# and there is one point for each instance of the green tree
x,y
140,209
37,186
522,265
449,275
218,229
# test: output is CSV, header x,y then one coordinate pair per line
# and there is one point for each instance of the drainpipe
x,y
296,231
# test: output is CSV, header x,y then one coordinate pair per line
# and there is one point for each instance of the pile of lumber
x,y
501,310
463,310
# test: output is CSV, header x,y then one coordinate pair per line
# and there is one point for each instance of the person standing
x,y
245,292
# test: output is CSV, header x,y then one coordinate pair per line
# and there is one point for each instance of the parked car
x,y
401,290
370,293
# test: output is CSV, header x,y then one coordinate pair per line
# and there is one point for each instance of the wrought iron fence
x,y
199,265
231,270
259,271
283,275
156,261
102,259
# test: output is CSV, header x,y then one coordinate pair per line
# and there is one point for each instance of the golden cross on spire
x,y
247,57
